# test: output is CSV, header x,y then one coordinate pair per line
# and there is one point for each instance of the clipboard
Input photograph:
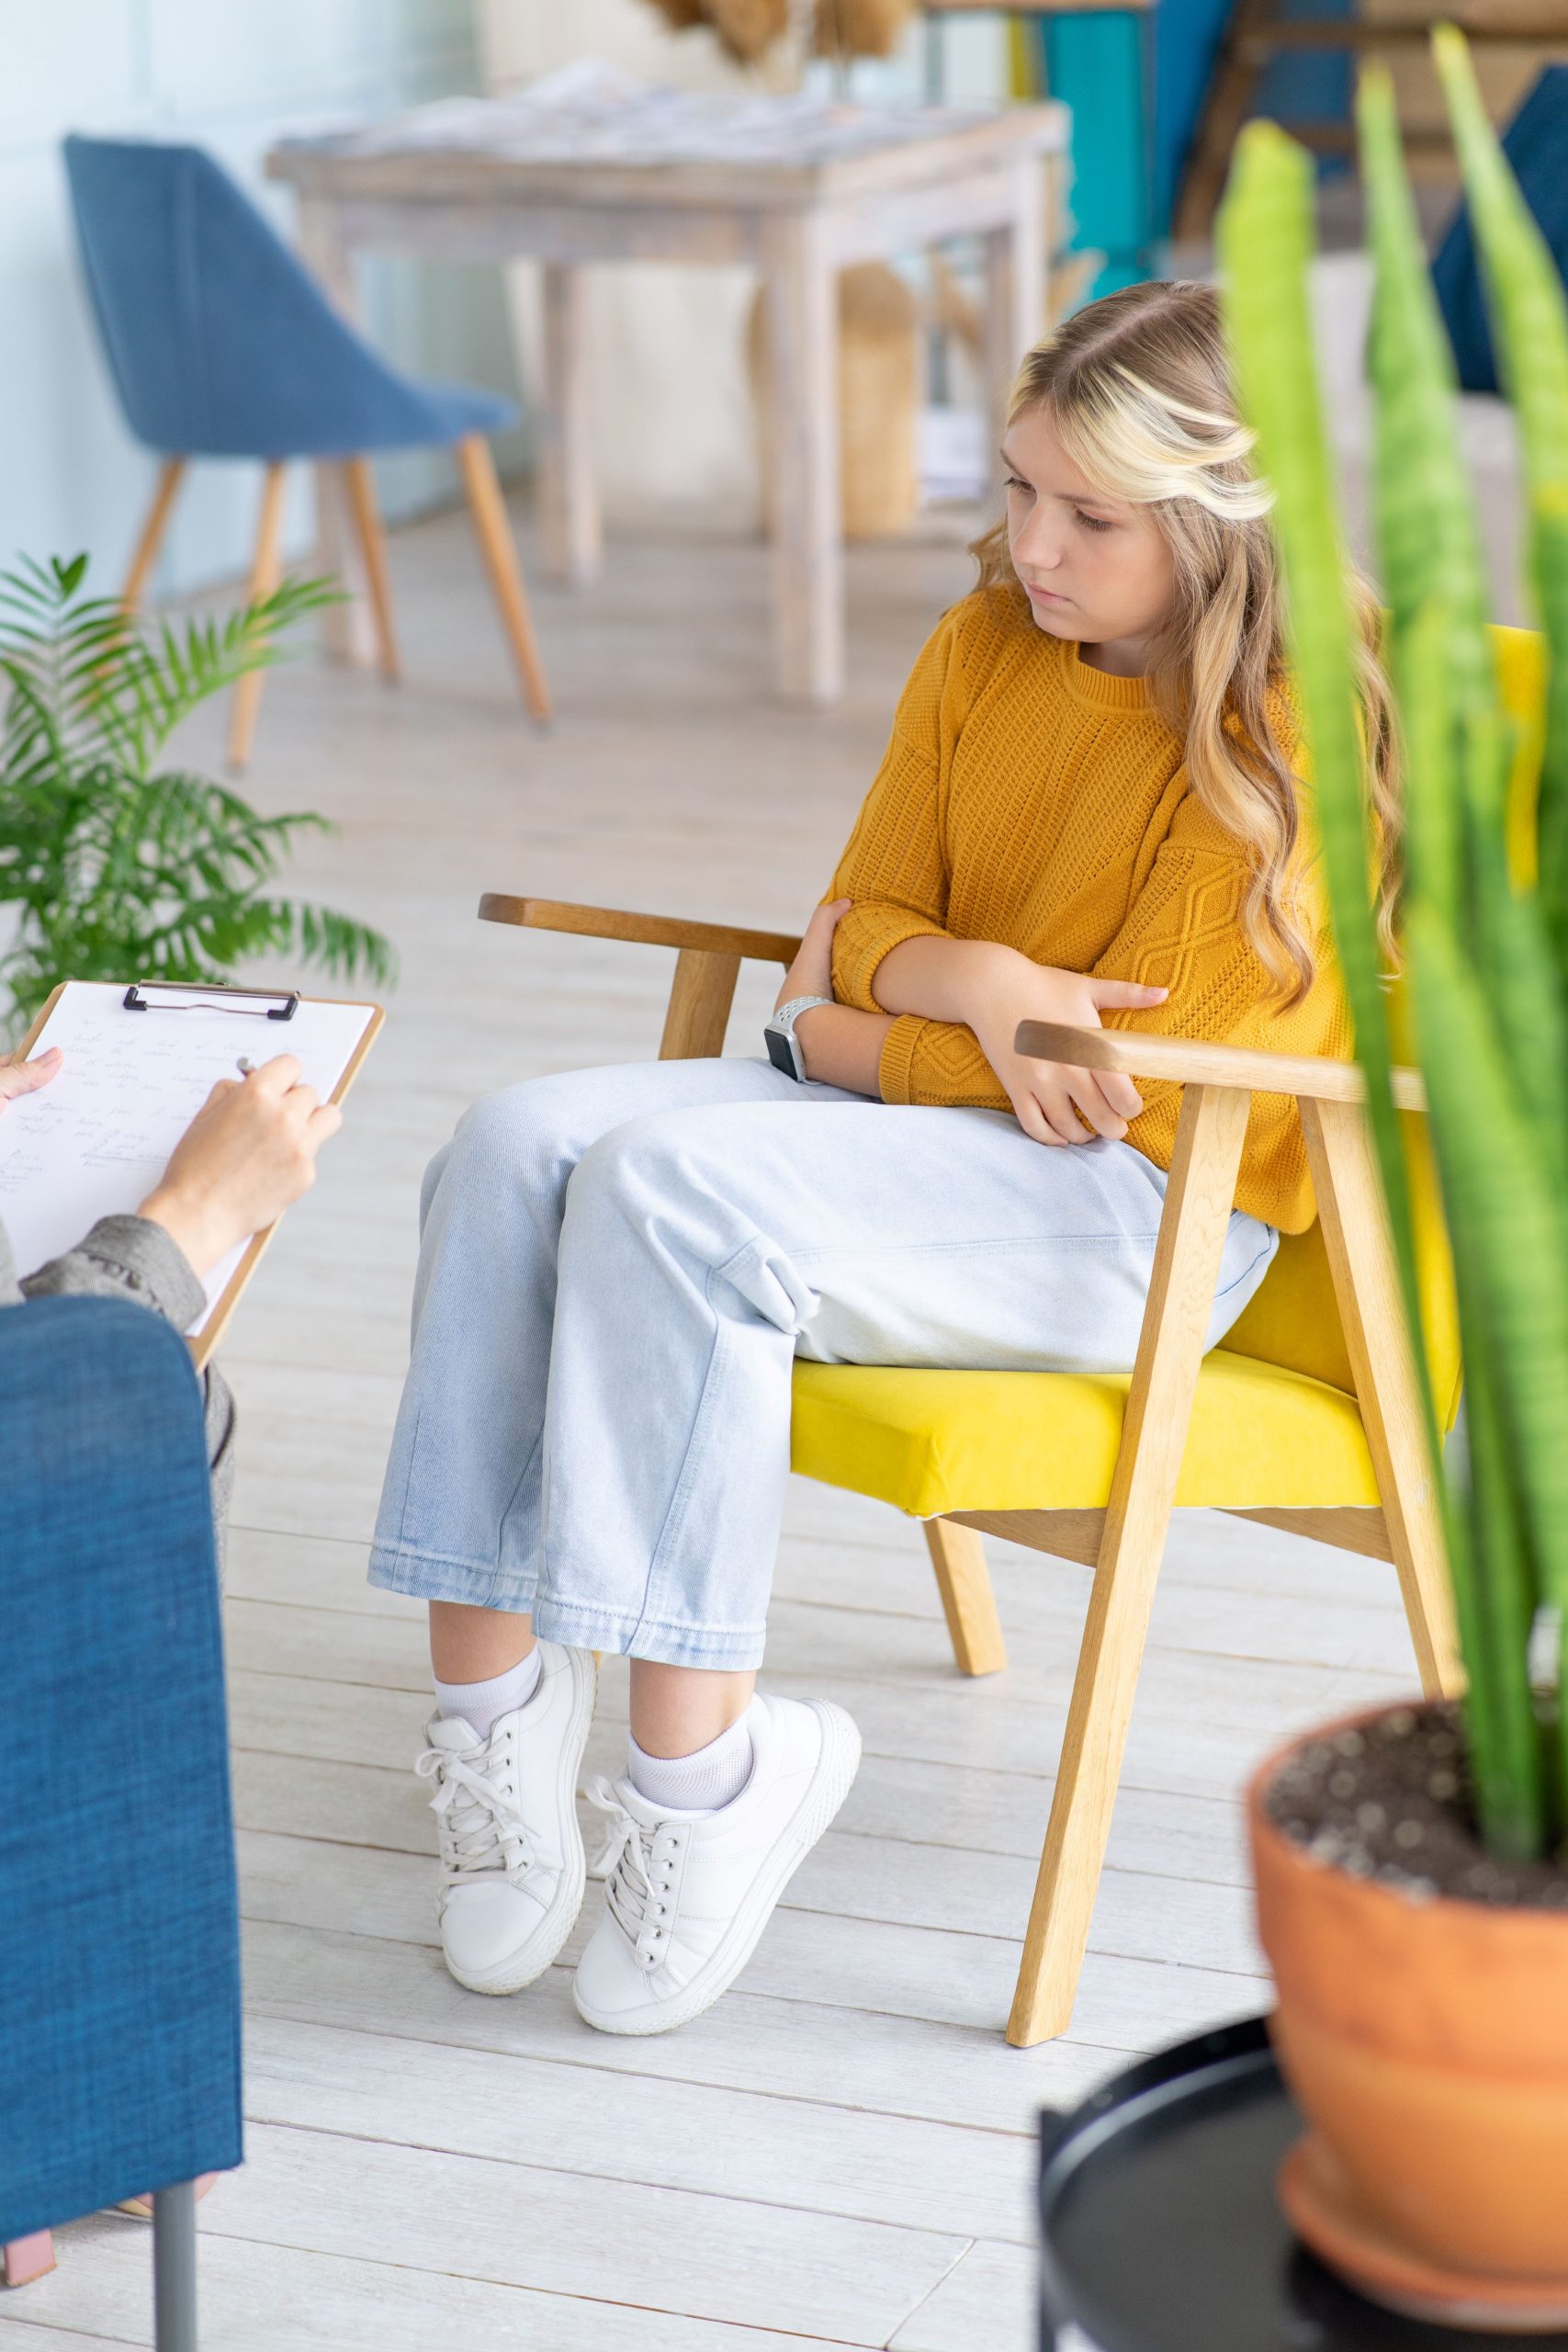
x,y
160,1001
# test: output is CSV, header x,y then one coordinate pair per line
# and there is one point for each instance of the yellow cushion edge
x,y
930,1441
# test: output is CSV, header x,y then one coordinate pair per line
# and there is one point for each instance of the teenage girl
x,y
1088,812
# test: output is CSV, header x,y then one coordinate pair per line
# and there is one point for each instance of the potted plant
x,y
1411,1871
118,867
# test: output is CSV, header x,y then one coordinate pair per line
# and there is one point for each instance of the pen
x,y
244,1065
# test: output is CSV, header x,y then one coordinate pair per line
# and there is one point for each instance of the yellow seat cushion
x,y
1261,1437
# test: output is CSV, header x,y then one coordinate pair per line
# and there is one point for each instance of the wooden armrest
x,y
649,930
1188,1059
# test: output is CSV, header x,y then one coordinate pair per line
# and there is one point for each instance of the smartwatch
x,y
783,1044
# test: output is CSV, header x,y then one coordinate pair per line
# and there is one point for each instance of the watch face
x,y
779,1053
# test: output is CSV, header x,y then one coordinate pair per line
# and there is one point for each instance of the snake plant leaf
x,y
1458,743
1496,1616
1265,242
1530,317
1507,1231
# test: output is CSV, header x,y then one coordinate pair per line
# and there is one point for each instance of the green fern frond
x,y
115,868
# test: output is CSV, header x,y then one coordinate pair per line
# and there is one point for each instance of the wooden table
x,y
414,190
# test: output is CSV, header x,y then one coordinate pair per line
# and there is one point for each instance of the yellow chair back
x,y
1294,1319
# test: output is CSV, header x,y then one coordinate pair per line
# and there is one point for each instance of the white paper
x,y
95,1141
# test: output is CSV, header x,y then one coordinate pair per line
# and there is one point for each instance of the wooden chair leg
x,y
1198,1204
494,533
1366,1284
170,474
1233,83
26,2258
359,482
958,1555
266,572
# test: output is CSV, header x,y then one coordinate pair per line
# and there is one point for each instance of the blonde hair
x,y
1138,388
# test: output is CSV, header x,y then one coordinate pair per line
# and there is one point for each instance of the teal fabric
x,y
119,1974
220,342
1098,64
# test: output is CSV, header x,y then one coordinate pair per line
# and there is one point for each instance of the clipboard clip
x,y
149,996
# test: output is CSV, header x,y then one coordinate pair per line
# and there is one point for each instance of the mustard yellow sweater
x,y
1029,800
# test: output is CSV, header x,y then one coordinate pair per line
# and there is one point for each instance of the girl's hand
x,y
1057,1103
811,974
249,1152
17,1077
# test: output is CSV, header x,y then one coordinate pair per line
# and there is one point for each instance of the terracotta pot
x,y
1427,2043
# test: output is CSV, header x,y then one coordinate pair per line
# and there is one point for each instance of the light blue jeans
x,y
617,1269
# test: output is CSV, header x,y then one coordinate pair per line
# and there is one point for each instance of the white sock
x,y
715,1775
482,1704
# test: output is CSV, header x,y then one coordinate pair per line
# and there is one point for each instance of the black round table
x,y
1161,2233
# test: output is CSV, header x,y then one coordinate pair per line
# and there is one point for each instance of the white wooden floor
x,y
841,2152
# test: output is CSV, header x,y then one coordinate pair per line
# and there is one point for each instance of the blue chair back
x,y
1534,144
119,1947
220,342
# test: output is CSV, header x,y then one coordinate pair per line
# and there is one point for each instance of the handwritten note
x,y
95,1141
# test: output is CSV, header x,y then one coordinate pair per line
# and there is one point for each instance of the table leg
x,y
346,630
808,556
1015,292
568,504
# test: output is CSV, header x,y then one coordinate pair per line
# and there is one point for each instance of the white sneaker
x,y
689,1894
513,1872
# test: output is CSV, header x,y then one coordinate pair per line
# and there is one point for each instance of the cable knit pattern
x,y
1031,801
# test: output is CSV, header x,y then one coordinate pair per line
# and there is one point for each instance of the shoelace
x,y
637,1863
478,1825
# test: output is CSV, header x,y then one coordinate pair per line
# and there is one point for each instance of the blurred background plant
x,y
117,868
1484,920
747,29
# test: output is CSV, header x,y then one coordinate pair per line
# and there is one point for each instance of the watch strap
x,y
788,1014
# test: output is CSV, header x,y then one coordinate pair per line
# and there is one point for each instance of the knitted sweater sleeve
x,y
1182,932
895,866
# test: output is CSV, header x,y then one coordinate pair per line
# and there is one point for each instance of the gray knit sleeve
x,y
131,1257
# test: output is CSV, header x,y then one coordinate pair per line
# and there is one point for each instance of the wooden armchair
x,y
1306,1419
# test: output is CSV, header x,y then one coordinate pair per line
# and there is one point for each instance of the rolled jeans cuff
x,y
579,1624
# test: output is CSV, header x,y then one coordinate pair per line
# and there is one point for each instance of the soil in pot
x,y
1390,1799
1422,2021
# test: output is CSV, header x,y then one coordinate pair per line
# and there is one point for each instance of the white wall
x,y
230,75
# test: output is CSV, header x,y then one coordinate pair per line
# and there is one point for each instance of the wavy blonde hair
x,y
1138,388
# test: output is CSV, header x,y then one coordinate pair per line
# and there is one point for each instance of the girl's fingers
x,y
1123,996
1032,1119
1088,1090
1056,1107
1119,1093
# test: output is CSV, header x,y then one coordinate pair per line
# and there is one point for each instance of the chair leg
x,y
488,510
169,477
1366,1284
360,484
958,1555
27,2258
265,568
1154,1438
174,2268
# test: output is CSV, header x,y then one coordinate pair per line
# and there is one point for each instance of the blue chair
x,y
221,344
1533,143
120,1944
